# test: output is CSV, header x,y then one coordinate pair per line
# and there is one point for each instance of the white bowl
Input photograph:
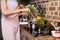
x,y
23,23
54,34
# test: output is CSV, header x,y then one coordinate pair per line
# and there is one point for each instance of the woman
x,y
10,23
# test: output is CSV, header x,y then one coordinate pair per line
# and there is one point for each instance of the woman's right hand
x,y
25,11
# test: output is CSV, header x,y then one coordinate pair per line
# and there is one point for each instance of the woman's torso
x,y
11,19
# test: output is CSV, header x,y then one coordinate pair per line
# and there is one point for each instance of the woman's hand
x,y
25,12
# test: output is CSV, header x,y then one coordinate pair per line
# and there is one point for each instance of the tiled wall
x,y
52,10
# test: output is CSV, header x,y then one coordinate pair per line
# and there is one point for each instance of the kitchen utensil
x,y
55,33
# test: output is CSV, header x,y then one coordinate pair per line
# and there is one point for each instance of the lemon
x,y
38,18
21,6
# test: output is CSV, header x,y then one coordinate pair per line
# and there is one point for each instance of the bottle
x,y
39,31
30,28
33,29
34,32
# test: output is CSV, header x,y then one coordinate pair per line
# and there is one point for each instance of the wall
x,y
52,10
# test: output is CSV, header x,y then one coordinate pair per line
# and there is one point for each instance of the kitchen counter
x,y
46,38
30,37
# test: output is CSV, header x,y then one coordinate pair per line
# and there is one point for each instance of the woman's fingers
x,y
24,14
26,10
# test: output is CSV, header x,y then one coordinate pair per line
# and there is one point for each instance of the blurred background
x,y
0,22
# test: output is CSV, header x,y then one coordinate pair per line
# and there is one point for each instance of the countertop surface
x,y
30,37
46,38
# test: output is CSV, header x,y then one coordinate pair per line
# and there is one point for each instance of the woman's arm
x,y
9,12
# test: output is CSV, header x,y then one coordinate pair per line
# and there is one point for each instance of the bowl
x,y
55,33
23,23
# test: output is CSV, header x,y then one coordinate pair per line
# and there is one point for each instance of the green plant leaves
x,y
41,22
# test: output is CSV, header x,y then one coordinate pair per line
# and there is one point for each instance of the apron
x,y
10,23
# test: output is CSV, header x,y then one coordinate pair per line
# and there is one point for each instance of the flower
x,y
21,6
38,18
33,9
